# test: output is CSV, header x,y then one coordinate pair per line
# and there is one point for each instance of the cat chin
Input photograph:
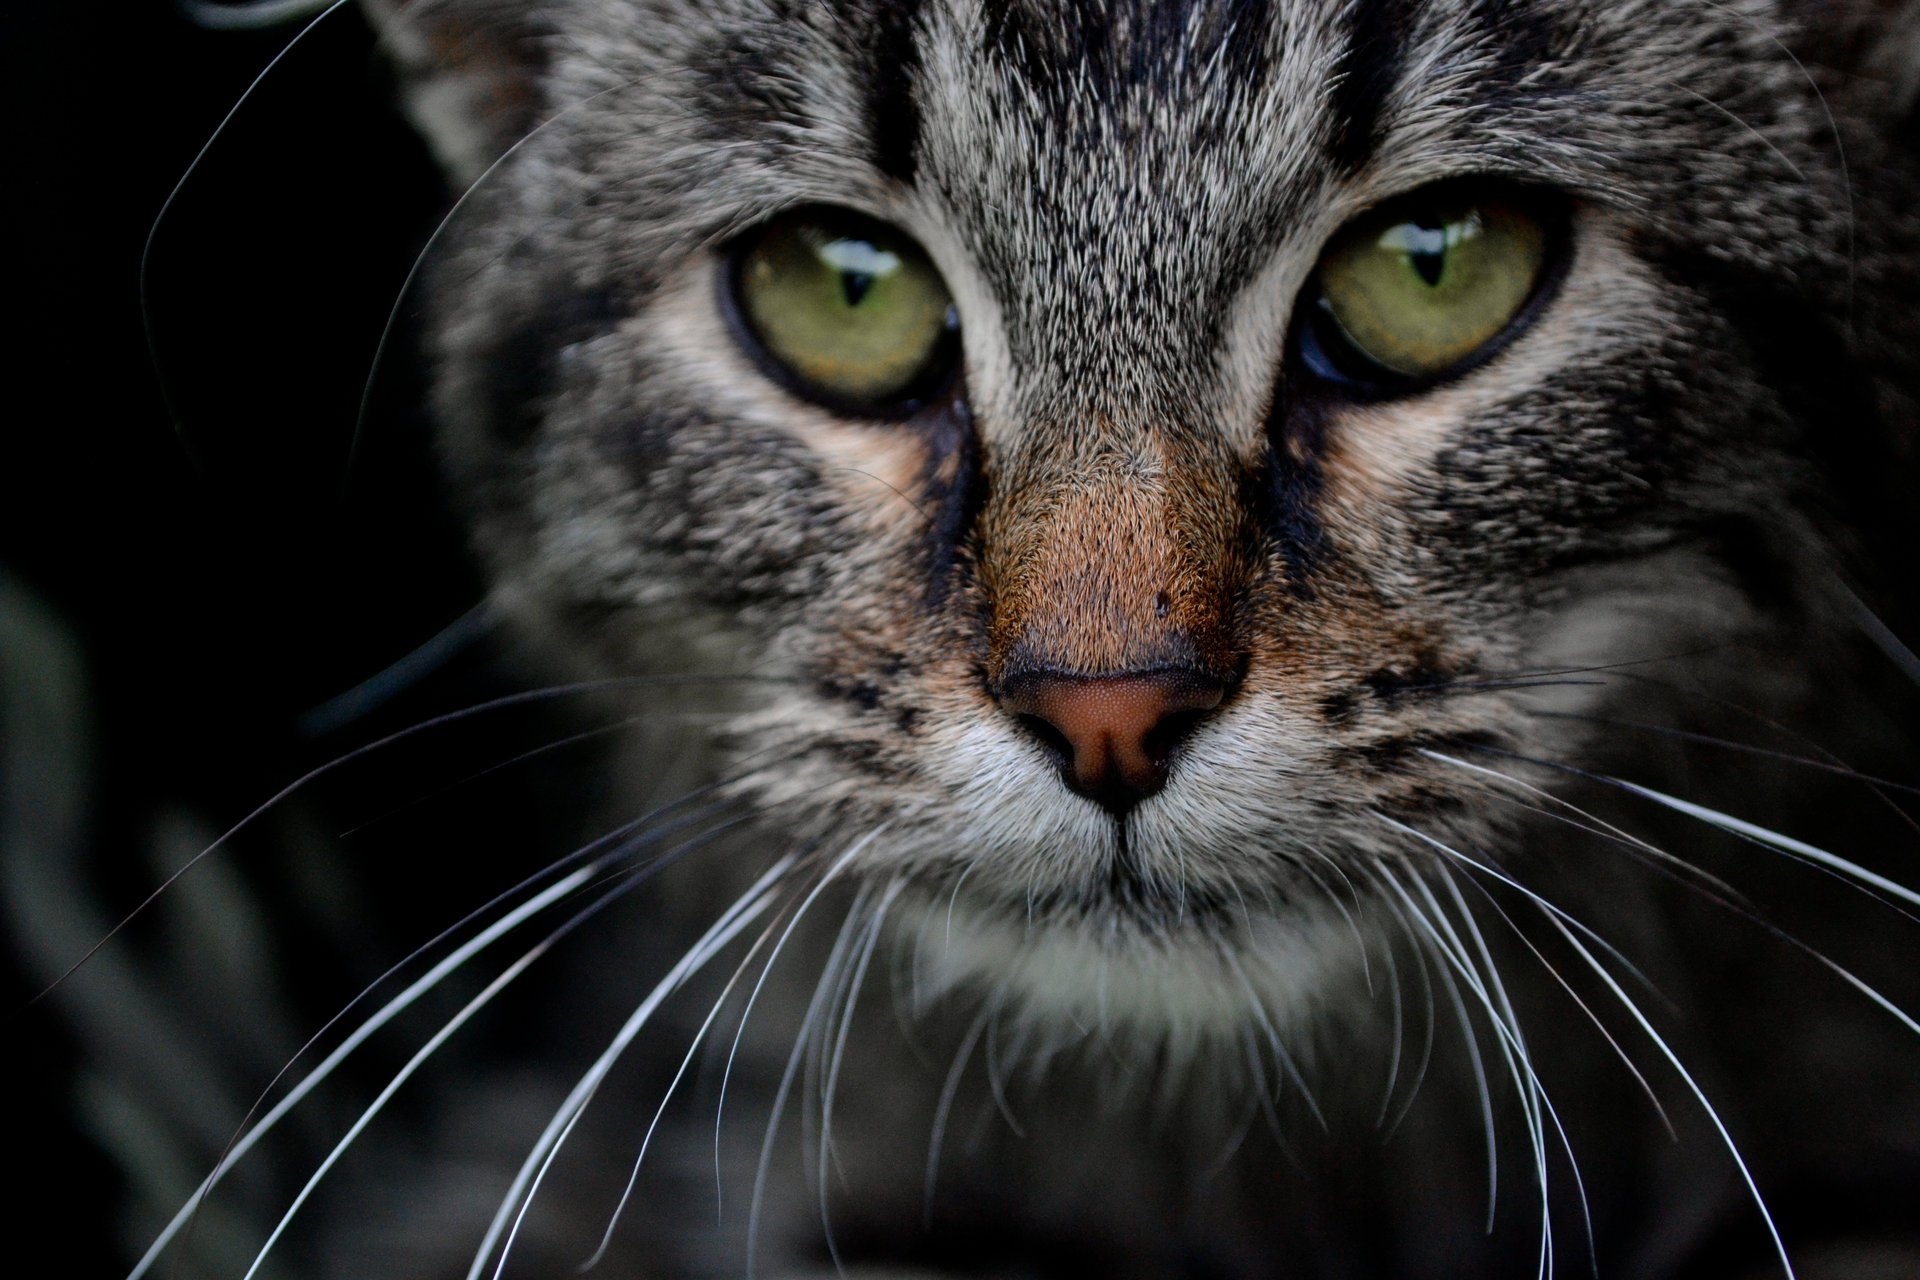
x,y
1107,970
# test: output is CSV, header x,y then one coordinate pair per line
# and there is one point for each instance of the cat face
x,y
1159,587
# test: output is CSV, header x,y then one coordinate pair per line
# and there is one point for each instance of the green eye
x,y
851,309
1420,285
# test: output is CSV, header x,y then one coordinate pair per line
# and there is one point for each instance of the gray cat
x,y
1272,595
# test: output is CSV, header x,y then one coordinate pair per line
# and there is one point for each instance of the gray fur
x,y
1658,482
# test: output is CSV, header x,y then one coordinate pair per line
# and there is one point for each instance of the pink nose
x,y
1113,733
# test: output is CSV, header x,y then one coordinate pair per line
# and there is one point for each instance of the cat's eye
x,y
852,310
1420,286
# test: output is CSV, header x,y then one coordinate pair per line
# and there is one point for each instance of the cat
x,y
1258,638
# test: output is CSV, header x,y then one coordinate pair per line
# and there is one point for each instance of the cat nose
x,y
1113,734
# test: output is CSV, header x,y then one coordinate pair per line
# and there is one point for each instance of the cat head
x,y
1149,446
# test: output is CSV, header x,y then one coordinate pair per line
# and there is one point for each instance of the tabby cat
x,y
1257,639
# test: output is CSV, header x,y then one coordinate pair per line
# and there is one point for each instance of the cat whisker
x,y
440,1037
875,925
693,1049
532,753
1744,123
1883,636
625,844
724,231
253,15
1611,951
1430,1024
834,959
307,779
1542,1102
1833,130
1879,786
1675,868
377,690
949,1090
1478,971
1666,1051
1257,1100
953,898
1745,748
1773,839
413,1063
926,517
1561,922
1440,930
997,1080
1553,971
766,970
251,1134
145,272
526,1183
1353,926
1733,903
426,250
1750,831
1282,1058
1397,1045
1425,939
1753,832
1544,677
816,1033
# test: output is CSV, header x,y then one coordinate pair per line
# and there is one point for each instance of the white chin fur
x,y
1180,983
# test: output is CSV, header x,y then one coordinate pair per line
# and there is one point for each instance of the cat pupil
x,y
1426,249
854,286
860,263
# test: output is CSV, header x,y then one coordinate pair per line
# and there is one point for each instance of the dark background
x,y
175,485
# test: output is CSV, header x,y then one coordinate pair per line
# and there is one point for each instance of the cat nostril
x,y
1049,737
1113,734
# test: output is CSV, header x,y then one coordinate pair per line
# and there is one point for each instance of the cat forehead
x,y
1099,125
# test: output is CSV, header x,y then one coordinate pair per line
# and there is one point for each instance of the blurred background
x,y
194,585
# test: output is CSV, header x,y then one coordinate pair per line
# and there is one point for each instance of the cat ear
x,y
469,72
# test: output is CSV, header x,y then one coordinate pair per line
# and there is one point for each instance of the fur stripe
x,y
1368,69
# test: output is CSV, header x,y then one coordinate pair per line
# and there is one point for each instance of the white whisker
x,y
1353,926
1397,1045
519,1198
426,251
1567,928
874,928
1440,929
1784,843
1492,972
943,1109
386,1013
816,1030
1612,951
766,970
693,1049
413,1064
1424,938
1619,1050
1282,1058
1589,822
800,1040
1846,975
1733,1149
